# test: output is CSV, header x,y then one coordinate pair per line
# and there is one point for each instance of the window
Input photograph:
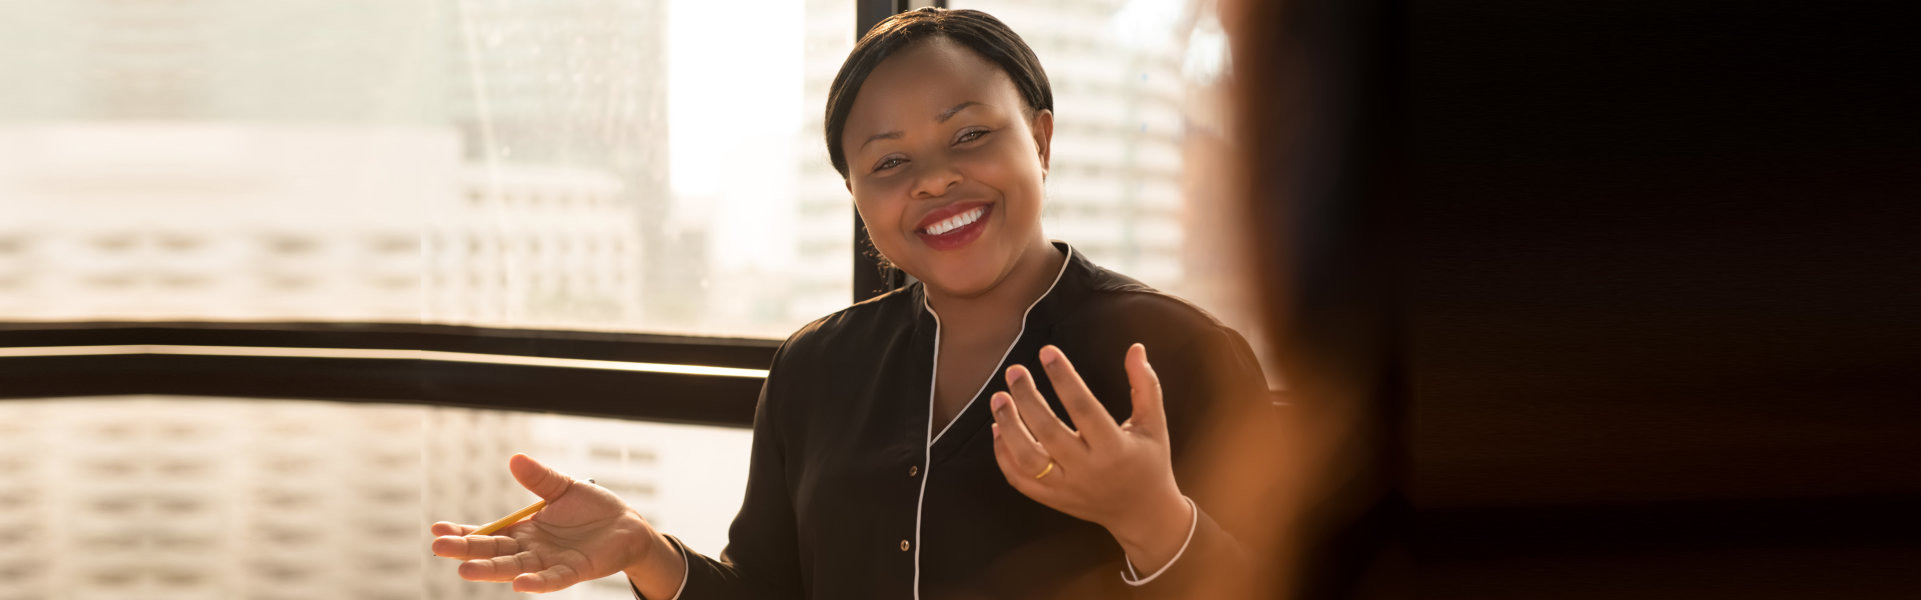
x,y
625,176
523,165
622,165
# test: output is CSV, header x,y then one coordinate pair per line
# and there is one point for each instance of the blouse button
x,y
913,470
904,545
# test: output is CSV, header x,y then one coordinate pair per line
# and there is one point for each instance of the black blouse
x,y
854,493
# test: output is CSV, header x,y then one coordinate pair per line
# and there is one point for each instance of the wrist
x,y
1155,531
657,568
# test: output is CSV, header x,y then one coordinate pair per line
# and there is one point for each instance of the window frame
x,y
213,359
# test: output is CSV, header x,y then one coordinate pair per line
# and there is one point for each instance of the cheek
x,y
1015,174
881,216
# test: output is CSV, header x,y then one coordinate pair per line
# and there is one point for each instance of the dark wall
x,y
1655,288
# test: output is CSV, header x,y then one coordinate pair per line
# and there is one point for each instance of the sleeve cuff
x,y
1133,577
683,573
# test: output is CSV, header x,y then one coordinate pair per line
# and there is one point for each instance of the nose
x,y
935,178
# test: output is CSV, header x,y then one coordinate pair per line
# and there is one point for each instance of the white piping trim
x,y
927,454
1067,257
684,573
689,570
1133,577
380,354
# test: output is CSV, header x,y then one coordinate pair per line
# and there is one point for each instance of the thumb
x,y
1150,416
540,479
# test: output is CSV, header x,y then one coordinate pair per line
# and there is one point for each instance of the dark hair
x,y
976,30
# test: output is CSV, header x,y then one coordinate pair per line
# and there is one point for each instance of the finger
x,y
1150,413
540,479
1018,455
553,579
1007,419
452,528
1013,467
1030,408
1090,418
500,568
474,546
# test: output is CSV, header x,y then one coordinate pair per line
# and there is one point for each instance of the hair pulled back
x,y
976,30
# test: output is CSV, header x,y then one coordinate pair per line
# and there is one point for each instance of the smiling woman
x,y
1042,461
950,143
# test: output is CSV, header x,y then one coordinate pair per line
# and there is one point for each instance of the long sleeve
x,y
761,560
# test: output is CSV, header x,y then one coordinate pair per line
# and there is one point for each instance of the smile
x,y
957,229
956,222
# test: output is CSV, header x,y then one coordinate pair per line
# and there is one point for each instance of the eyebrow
x,y
949,113
940,118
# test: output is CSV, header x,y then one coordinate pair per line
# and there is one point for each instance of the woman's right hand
x,y
585,532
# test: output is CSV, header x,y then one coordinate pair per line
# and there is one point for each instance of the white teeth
x,y
956,222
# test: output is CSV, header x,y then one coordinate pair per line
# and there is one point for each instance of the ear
x,y
849,182
1043,127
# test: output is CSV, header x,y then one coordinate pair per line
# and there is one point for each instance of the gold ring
x,y
1044,472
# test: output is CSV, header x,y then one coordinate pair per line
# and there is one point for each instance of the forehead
x,y
922,80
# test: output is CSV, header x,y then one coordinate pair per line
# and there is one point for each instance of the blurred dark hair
x,y
976,30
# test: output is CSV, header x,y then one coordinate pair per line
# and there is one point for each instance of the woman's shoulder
x,y
856,326
1123,301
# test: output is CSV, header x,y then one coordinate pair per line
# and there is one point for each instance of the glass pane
x,y
1140,138
167,498
598,164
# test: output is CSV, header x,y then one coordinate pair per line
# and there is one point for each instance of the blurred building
x,y
168,498
196,221
560,109
826,240
475,163
142,497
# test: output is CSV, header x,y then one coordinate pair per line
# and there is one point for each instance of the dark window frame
x,y
626,394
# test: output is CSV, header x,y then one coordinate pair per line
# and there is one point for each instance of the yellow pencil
x,y
490,528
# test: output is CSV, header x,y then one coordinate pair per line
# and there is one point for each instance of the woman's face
x,y
946,166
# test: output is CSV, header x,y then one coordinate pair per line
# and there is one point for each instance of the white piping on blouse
x,y
1134,578
683,576
1068,256
927,454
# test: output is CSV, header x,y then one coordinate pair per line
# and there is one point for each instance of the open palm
x,y
585,532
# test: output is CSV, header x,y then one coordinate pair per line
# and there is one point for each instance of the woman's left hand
x,y
1117,475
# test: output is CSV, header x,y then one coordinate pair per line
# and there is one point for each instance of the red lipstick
x,y
953,226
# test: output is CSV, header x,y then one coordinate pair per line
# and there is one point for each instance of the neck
x,y
1031,277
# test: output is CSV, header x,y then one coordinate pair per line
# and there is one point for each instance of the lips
x,y
953,226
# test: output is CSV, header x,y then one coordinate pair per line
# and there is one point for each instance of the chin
x,y
965,281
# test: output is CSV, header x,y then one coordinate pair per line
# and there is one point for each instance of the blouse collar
x,y
1077,278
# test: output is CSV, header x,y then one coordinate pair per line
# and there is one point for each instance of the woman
x,y
937,441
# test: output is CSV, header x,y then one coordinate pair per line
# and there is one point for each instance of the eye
x,y
970,135
888,163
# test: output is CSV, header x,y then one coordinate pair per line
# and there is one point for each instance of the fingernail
x,y
1015,373
999,400
1049,355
